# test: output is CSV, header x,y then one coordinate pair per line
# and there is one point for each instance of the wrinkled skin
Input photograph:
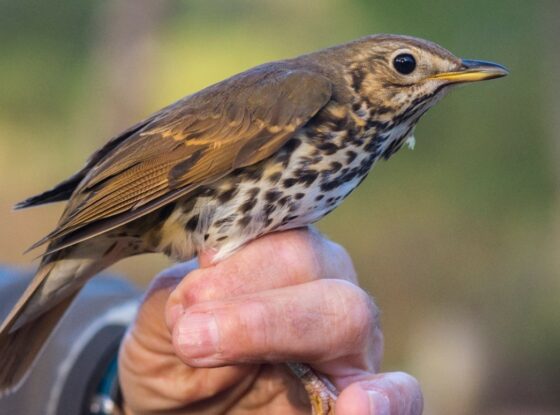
x,y
290,296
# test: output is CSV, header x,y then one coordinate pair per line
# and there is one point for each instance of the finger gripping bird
x,y
273,148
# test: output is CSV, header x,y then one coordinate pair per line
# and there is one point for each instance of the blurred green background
x,y
458,241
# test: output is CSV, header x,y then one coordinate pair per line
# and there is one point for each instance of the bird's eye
x,y
404,63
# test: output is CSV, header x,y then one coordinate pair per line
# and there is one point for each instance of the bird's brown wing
x,y
196,141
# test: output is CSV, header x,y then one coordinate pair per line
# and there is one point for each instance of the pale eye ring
x,y
404,63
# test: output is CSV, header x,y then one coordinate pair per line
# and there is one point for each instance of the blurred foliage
x,y
467,224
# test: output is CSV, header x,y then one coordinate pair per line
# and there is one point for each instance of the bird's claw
x,y
322,393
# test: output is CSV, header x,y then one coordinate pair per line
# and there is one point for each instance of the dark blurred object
x,y
67,374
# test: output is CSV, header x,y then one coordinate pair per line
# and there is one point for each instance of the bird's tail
x,y
37,312
27,328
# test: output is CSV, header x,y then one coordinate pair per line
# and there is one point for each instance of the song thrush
x,y
276,147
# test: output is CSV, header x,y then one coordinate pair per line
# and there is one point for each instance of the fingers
x,y
330,322
273,261
382,394
148,329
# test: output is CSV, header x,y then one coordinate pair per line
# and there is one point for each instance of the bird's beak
x,y
473,71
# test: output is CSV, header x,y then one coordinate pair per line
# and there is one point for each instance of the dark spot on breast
x,y
288,219
293,207
225,220
206,192
328,148
319,197
299,196
166,211
335,166
284,200
253,192
283,158
378,125
292,144
168,250
255,173
206,236
248,205
269,208
307,177
272,195
350,156
222,238
347,175
374,145
355,138
244,221
227,195
382,109
275,177
340,124
192,223
289,182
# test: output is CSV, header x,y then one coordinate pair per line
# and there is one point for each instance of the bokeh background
x,y
459,240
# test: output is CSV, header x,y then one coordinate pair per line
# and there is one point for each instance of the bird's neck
x,y
362,128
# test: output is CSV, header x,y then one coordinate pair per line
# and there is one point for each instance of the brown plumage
x,y
275,147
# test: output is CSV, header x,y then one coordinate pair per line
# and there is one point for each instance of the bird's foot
x,y
322,393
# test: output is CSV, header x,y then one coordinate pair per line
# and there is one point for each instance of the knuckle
x,y
197,289
338,261
316,257
192,290
338,251
307,248
356,307
367,313
298,253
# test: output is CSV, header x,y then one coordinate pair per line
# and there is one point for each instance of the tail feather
x,y
25,299
27,327
20,348
36,314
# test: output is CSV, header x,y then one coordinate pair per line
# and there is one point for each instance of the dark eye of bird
x,y
404,63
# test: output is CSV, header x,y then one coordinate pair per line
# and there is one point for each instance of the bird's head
x,y
401,77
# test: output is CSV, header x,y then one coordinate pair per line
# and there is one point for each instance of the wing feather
x,y
195,141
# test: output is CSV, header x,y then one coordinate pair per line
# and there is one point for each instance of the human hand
x,y
290,296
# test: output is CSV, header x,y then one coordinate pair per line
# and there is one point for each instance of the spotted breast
x,y
305,180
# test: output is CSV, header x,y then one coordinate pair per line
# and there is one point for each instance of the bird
x,y
276,147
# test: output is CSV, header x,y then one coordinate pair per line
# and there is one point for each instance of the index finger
x,y
273,261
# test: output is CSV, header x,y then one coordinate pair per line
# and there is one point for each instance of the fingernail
x,y
378,403
174,314
198,335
